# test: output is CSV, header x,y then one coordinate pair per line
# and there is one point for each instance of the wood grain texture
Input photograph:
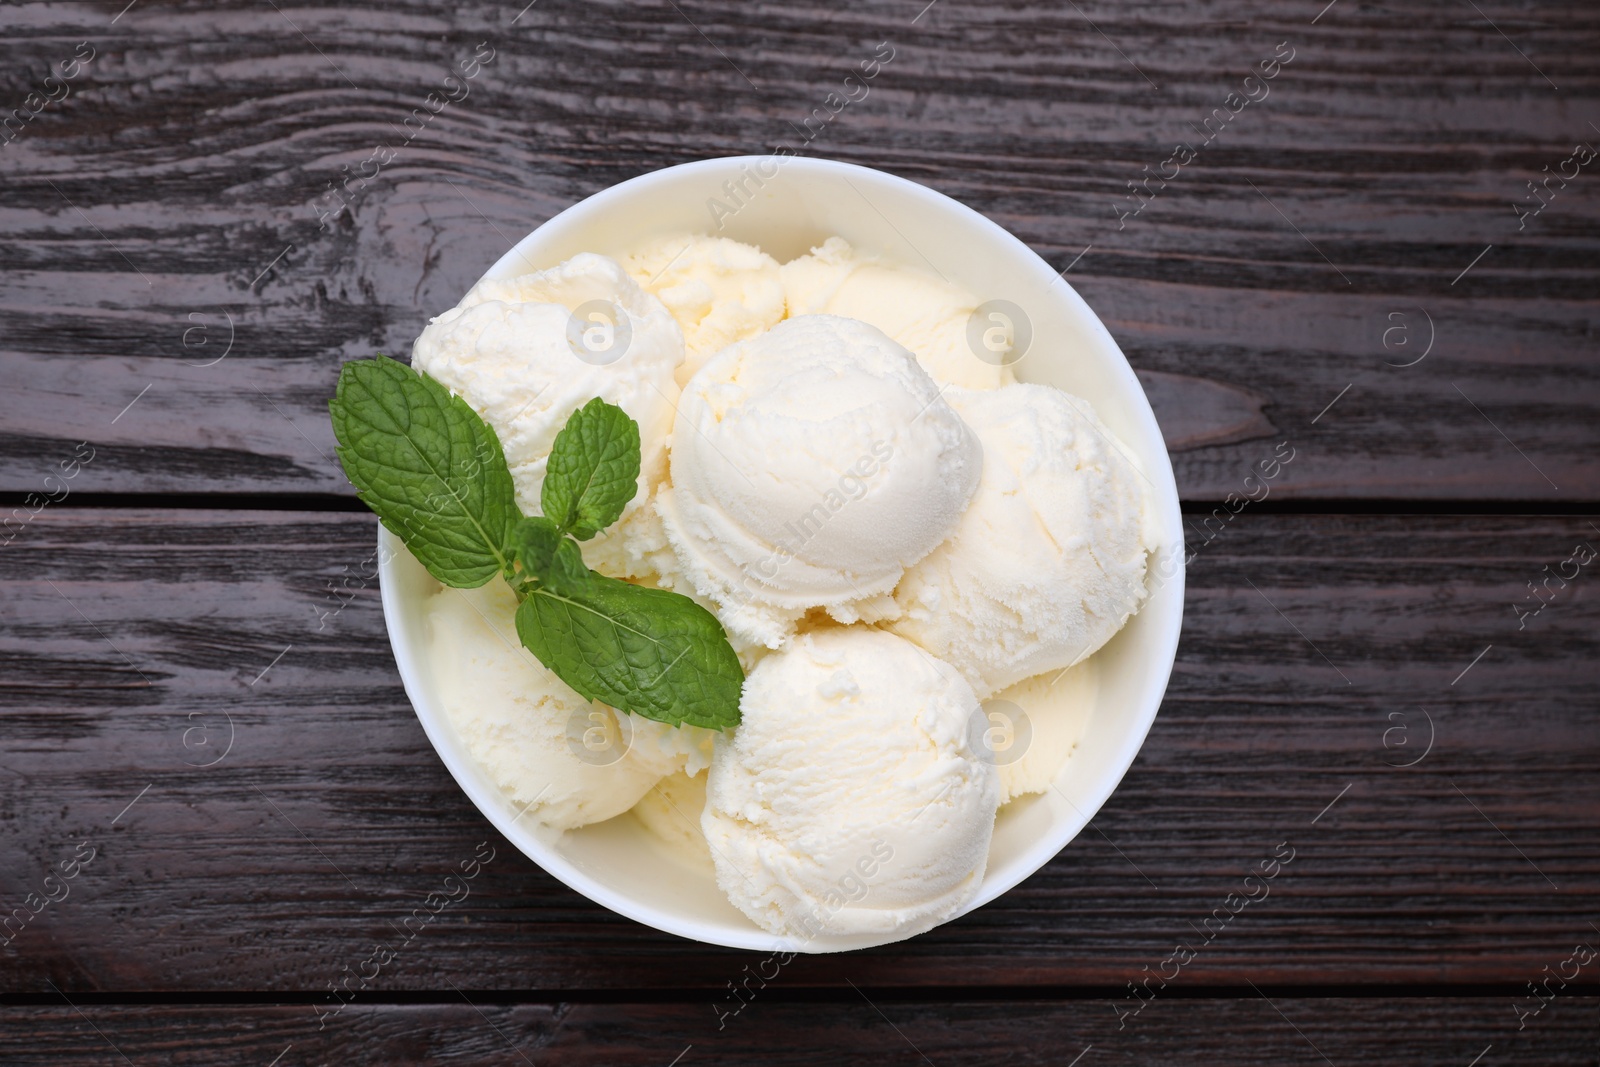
x,y
863,1030
170,200
330,817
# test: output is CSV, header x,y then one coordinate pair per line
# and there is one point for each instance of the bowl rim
x,y
492,803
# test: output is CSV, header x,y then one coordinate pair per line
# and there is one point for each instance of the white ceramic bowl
x,y
796,205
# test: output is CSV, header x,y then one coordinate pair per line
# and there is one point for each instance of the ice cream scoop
x,y
526,352
925,313
1049,561
849,800
565,760
811,465
719,290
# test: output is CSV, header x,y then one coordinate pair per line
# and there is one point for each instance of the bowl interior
x,y
787,208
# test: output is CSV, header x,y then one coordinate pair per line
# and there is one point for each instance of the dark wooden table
x,y
201,719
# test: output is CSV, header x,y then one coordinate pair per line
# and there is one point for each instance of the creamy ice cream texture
x,y
811,465
921,311
1030,730
719,291
849,800
855,460
1048,562
671,812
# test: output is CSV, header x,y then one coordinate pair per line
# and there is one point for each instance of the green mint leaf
x,y
649,651
431,469
548,556
593,470
568,573
534,543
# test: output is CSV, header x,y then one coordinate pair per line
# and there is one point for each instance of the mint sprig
x,y
435,474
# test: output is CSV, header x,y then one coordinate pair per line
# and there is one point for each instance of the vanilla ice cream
x,y
849,800
719,290
671,813
810,466
1049,561
636,548
1034,726
526,352
567,760
925,313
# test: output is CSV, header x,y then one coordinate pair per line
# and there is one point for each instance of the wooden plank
x,y
866,1029
149,211
295,851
